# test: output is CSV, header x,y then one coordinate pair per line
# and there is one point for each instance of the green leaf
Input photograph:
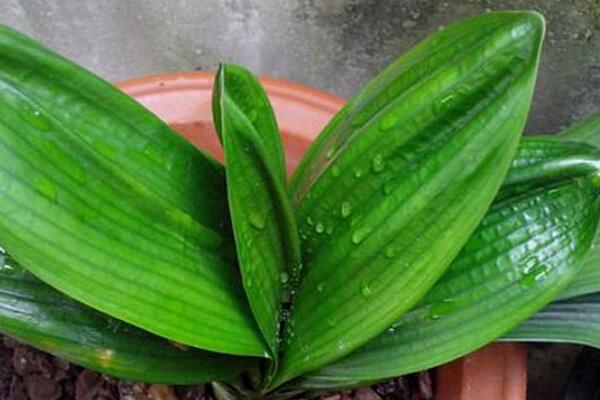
x,y
587,131
526,250
575,320
588,279
395,185
35,313
263,220
106,203
544,159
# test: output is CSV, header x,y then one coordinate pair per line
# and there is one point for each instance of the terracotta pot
x,y
183,100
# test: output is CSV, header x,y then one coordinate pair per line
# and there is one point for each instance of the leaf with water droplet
x,y
72,330
378,164
119,199
360,234
319,228
257,220
448,165
390,253
345,209
365,289
256,186
481,289
388,122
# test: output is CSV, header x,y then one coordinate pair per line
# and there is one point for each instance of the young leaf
x,y
263,220
576,320
35,313
527,248
395,185
103,201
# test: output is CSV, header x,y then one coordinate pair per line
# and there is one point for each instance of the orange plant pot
x,y
183,100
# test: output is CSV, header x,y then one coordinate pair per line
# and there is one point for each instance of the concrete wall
x,y
335,45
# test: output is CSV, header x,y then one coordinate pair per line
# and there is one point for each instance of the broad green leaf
x,y
35,313
103,201
545,158
395,185
576,320
263,221
588,279
526,250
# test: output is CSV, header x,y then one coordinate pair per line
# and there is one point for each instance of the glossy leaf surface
x,y
263,221
575,320
588,280
35,313
526,250
103,201
395,185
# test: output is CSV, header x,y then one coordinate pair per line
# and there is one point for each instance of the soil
x,y
27,373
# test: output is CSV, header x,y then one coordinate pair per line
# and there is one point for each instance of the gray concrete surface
x,y
335,45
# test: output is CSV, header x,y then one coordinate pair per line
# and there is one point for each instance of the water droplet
x,y
253,115
284,277
256,220
534,274
365,289
442,308
36,119
360,234
442,103
4,267
345,209
329,153
105,357
378,164
390,252
341,345
388,187
297,266
7,269
357,173
45,188
309,221
329,230
248,283
388,122
335,171
286,296
319,228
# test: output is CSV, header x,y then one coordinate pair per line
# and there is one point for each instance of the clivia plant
x,y
419,226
